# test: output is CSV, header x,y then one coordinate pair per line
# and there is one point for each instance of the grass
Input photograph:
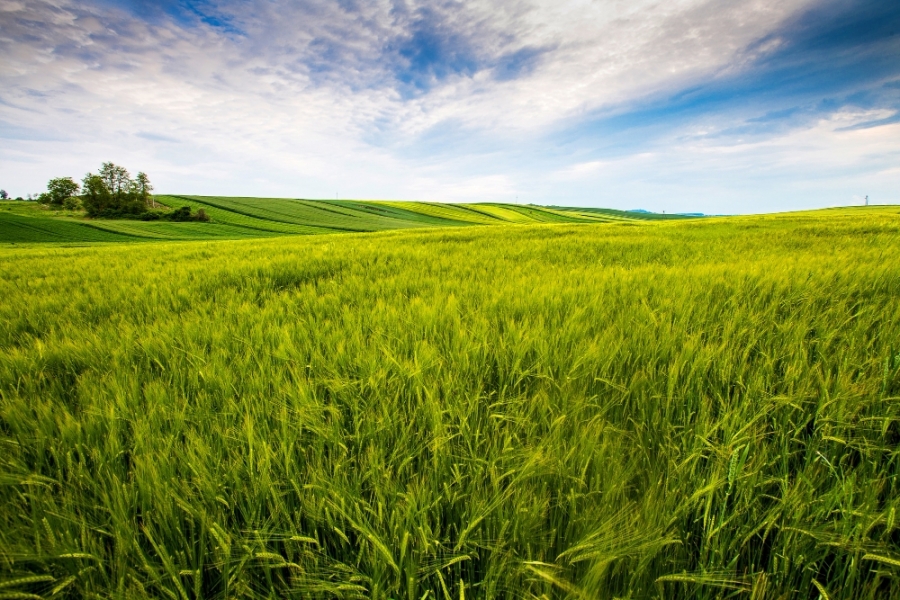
x,y
238,218
15,228
705,409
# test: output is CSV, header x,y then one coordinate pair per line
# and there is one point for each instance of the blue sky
x,y
684,106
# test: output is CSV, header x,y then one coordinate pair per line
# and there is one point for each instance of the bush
x,y
184,214
181,214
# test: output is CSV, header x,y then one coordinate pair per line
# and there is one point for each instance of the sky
x,y
720,107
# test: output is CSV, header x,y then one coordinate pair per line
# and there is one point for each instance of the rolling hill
x,y
236,218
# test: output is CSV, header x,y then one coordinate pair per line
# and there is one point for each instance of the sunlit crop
x,y
702,409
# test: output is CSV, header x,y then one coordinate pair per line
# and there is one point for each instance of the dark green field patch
x,y
18,229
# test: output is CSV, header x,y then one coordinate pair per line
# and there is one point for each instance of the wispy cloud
x,y
453,101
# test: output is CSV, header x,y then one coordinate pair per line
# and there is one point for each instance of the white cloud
x,y
705,175
308,99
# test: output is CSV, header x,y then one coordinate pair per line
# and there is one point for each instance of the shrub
x,y
184,214
181,214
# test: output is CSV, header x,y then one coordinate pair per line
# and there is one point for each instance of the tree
x,y
142,184
58,191
3,195
95,195
116,179
111,192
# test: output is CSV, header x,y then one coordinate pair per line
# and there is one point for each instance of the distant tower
x,y
867,199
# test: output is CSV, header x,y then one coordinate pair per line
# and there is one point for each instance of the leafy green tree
x,y
3,195
95,196
143,188
58,191
111,192
116,179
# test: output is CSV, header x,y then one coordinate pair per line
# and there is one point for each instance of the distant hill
x,y
234,218
636,214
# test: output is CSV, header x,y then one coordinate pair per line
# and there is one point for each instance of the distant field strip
x,y
619,215
239,217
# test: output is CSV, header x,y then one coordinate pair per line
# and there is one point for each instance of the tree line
x,y
112,193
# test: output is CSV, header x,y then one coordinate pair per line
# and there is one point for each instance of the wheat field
x,y
704,409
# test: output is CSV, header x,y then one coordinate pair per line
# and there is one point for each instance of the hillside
x,y
236,218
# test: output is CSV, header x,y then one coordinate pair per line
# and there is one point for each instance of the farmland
x,y
569,404
237,218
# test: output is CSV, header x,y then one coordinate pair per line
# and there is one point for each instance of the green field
x,y
237,218
587,406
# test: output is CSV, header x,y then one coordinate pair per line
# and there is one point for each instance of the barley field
x,y
620,409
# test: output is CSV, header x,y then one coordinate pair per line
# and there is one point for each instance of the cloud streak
x,y
453,101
